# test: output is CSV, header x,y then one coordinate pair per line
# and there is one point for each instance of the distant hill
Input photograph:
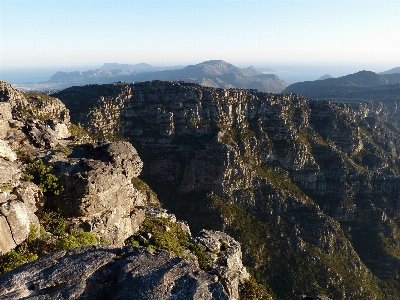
x,y
391,71
212,73
363,85
326,76
137,68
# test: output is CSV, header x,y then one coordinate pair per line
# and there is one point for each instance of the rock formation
x,y
128,273
99,193
24,128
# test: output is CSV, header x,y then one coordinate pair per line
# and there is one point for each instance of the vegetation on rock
x,y
164,234
40,173
78,239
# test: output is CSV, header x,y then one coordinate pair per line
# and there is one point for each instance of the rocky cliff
x,y
57,194
310,188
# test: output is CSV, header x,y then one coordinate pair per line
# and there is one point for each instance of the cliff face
x,y
310,188
89,195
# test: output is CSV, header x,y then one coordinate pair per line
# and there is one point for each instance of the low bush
x,y
40,173
77,240
169,236
52,222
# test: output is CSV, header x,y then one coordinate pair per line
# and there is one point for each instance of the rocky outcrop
x,y
98,273
227,259
30,121
98,193
130,273
29,124
16,210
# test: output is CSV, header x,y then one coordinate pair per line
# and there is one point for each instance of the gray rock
x,y
99,195
227,263
5,117
10,173
31,195
137,217
47,134
6,242
19,217
104,273
6,152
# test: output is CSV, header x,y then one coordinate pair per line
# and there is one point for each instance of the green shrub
x,y
169,236
131,241
52,222
224,245
203,258
39,173
77,240
16,258
251,290
6,188
144,188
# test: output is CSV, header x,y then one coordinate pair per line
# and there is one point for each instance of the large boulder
x,y
104,273
98,193
16,220
227,259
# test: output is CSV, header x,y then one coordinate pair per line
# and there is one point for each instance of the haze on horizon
x,y
77,34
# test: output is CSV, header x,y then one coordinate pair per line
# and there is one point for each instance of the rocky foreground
x,y
58,193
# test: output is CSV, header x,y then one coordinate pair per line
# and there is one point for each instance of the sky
x,y
77,34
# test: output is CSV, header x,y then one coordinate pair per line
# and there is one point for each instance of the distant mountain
x,y
86,76
391,71
220,74
212,73
137,68
363,85
326,76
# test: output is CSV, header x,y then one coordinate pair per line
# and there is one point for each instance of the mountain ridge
x,y
215,73
362,85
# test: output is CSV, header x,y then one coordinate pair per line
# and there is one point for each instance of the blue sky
x,y
162,32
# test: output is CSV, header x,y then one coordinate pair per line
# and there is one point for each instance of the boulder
x,y
5,117
47,134
19,218
6,242
31,195
227,259
99,195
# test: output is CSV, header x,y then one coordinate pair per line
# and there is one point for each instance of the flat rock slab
x,y
106,273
